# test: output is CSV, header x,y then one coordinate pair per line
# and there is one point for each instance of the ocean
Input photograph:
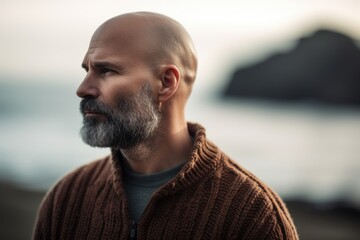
x,y
302,150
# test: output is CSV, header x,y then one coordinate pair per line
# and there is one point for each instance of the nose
x,y
88,88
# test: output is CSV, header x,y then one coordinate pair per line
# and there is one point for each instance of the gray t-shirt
x,y
139,187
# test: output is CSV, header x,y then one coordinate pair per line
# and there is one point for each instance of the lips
x,y
92,108
88,113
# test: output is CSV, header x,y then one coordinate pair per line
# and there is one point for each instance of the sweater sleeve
x,y
282,229
278,222
52,208
263,214
45,217
58,210
267,223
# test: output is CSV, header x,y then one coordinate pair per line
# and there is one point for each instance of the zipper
x,y
133,230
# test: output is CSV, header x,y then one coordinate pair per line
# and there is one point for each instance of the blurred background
x,y
278,89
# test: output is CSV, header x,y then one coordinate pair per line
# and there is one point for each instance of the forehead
x,y
121,41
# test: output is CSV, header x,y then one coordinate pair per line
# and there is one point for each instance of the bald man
x,y
164,179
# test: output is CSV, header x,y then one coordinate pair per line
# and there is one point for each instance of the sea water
x,y
300,150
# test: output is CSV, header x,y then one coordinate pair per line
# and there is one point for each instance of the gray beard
x,y
134,120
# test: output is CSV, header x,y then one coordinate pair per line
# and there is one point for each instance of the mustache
x,y
93,105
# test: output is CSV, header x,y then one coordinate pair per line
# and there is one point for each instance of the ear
x,y
170,79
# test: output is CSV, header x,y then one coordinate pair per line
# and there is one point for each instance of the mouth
x,y
89,113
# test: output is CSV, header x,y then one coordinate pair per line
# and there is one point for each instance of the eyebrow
x,y
103,64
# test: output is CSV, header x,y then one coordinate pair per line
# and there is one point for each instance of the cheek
x,y
120,88
111,93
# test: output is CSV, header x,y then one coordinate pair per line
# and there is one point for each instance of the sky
x,y
44,40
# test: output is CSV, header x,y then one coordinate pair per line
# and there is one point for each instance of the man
x,y
163,179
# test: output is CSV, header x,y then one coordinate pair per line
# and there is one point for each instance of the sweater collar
x,y
203,162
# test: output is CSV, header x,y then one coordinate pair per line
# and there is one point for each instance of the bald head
x,y
158,38
140,67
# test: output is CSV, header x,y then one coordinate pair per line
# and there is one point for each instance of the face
x,y
119,107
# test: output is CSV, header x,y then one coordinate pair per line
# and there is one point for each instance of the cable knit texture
x,y
210,198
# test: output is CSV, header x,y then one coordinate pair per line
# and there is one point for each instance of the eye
x,y
106,70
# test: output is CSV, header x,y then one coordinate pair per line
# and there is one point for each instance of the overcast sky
x,y
46,40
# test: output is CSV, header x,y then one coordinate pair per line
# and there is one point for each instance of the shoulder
x,y
61,200
97,172
89,174
257,201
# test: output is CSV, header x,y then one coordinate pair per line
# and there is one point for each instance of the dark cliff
x,y
323,67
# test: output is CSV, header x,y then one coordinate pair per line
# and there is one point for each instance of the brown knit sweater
x,y
210,198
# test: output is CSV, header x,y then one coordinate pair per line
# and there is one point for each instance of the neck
x,y
170,147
